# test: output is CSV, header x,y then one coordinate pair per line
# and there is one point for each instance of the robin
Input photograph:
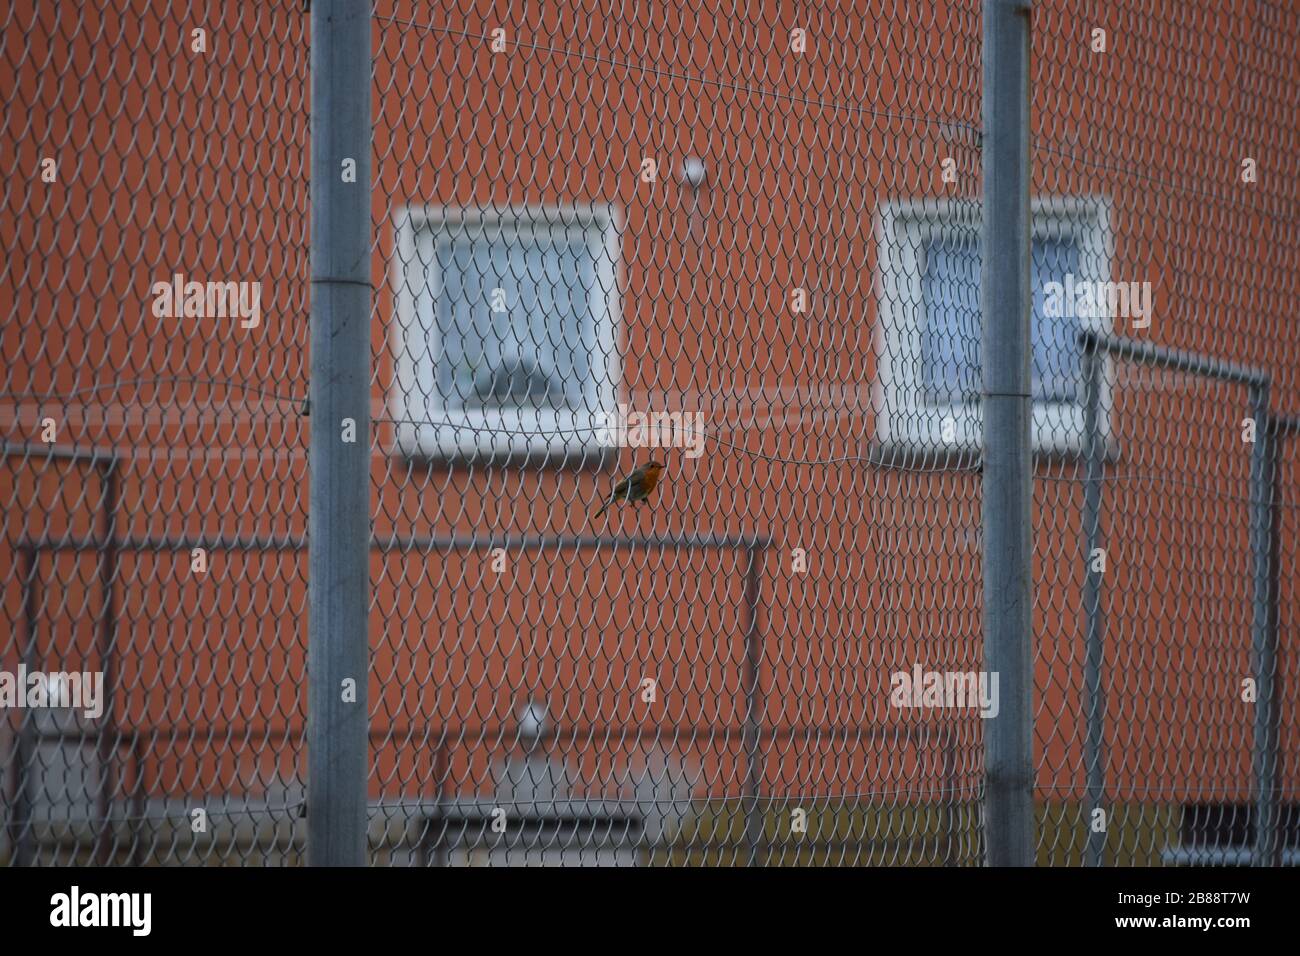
x,y
635,487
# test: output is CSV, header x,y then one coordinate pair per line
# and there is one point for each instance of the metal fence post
x,y
752,733
1094,696
1008,418
1267,844
339,519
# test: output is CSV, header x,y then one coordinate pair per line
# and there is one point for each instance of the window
x,y
506,328
927,389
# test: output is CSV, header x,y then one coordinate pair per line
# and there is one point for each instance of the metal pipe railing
x,y
108,546
104,461
1264,546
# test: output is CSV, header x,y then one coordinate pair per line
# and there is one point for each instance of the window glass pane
x,y
951,333
1057,356
537,352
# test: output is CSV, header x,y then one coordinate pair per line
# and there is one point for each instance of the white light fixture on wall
x,y
694,172
533,723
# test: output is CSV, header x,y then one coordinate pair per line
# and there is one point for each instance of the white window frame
x,y
424,428
906,421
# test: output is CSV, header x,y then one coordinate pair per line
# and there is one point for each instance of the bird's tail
x,y
603,509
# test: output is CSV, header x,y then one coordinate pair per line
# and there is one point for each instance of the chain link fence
x,y
1165,700
744,245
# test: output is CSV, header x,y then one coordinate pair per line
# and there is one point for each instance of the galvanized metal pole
x,y
107,744
339,522
1274,769
21,825
1267,845
752,732
1008,418
1094,452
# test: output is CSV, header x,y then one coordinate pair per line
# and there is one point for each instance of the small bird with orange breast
x,y
635,487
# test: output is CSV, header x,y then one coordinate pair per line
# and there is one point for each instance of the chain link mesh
x,y
1182,119
742,244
